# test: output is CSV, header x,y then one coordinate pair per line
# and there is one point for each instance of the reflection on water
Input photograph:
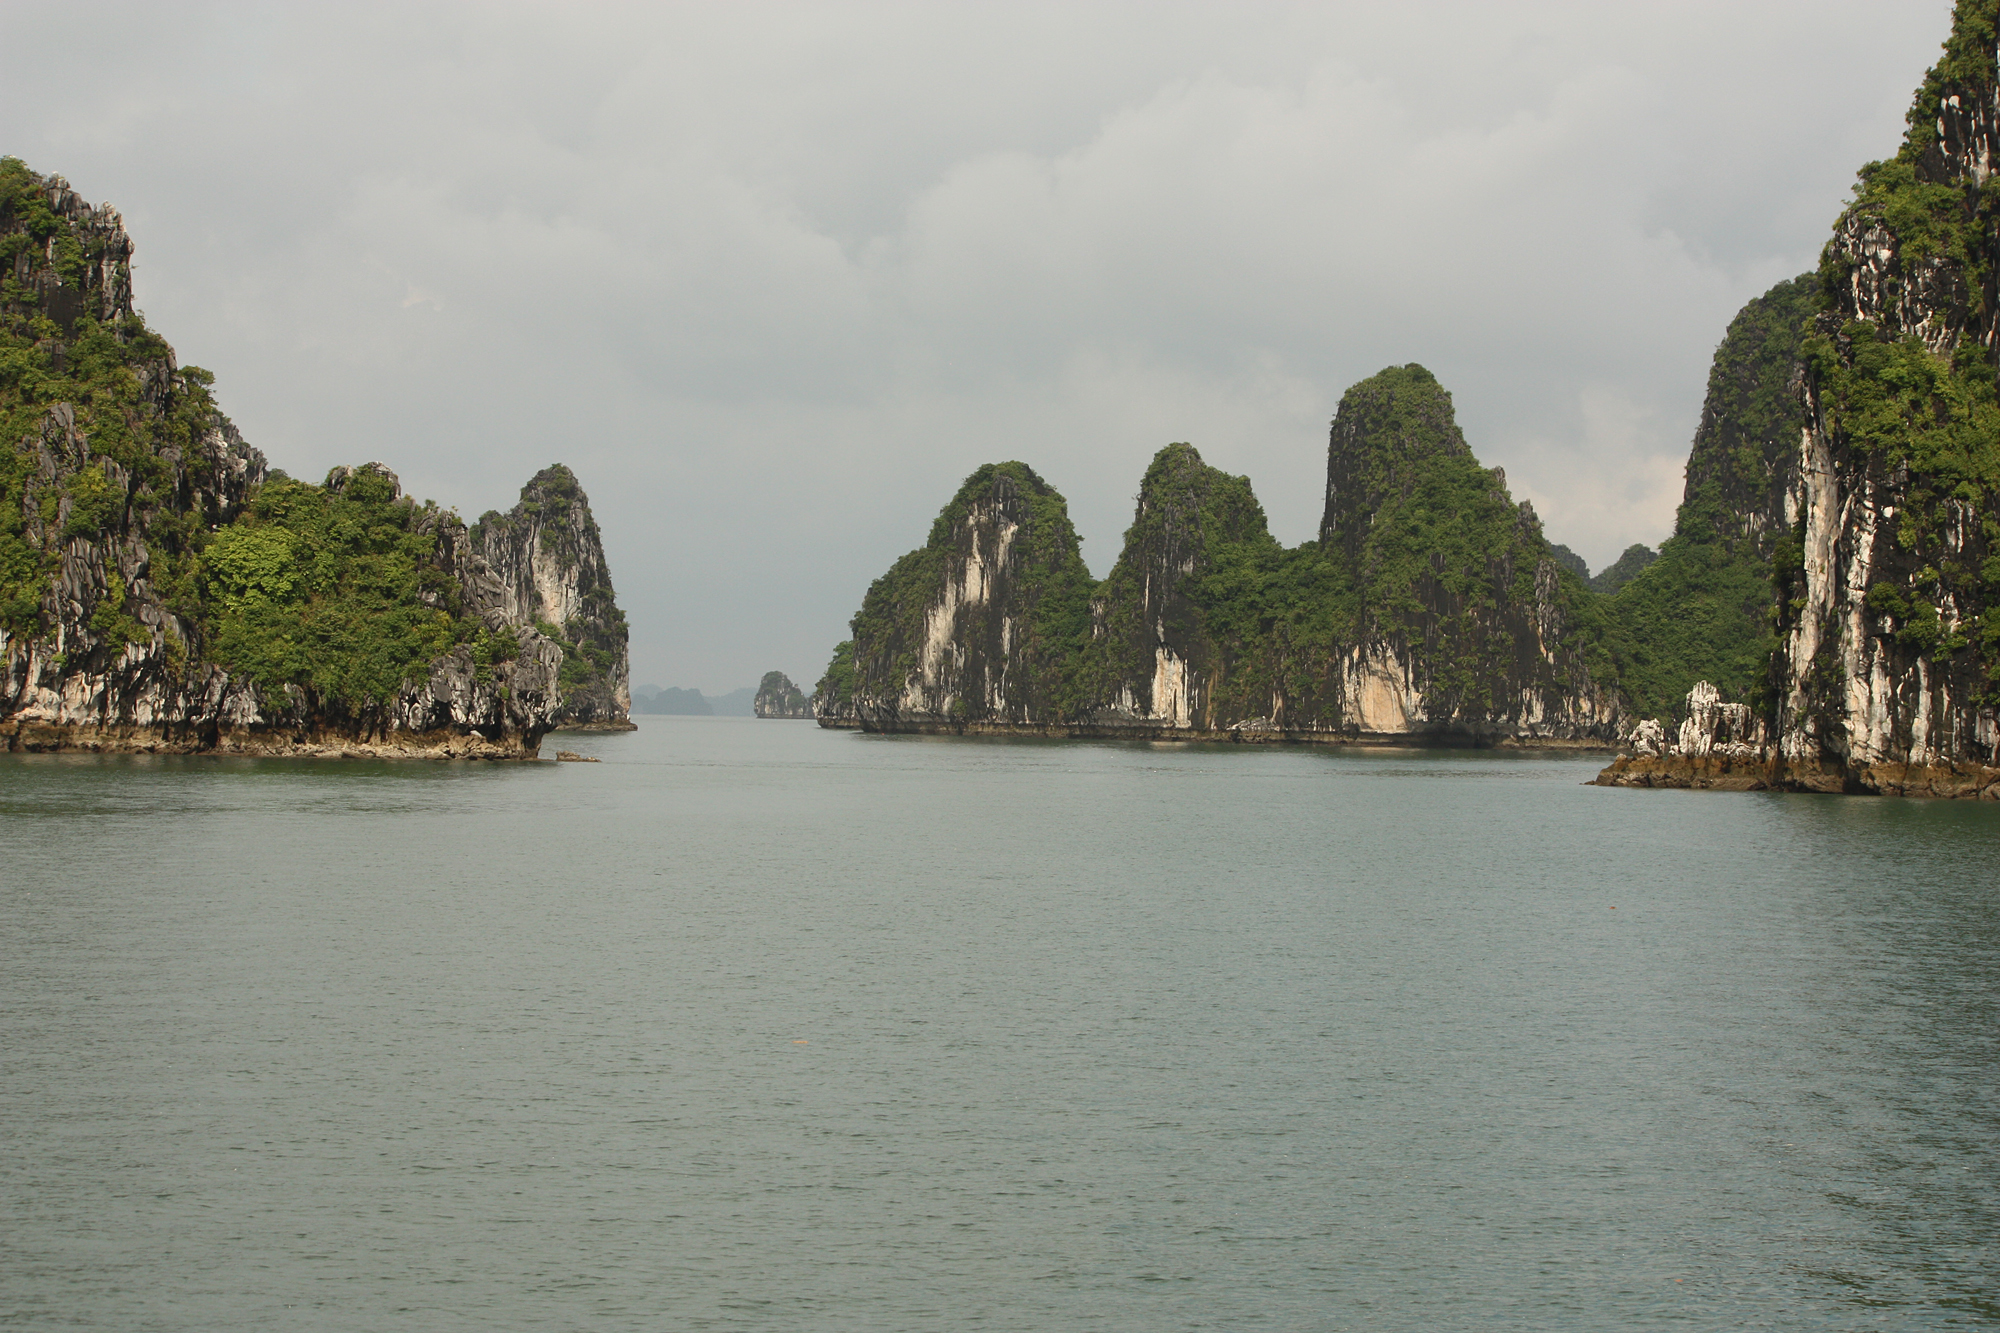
x,y
757,1026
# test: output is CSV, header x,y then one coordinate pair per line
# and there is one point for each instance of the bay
x,y
756,1026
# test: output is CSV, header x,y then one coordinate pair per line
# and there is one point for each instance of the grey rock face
x,y
777,696
548,559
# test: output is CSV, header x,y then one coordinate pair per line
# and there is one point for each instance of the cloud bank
x,y
774,277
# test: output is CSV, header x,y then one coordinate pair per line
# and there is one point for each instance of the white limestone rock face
x,y
980,629
1883,682
548,559
1885,675
1718,745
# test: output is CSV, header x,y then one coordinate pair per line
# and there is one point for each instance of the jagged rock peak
x,y
777,696
78,258
549,559
1384,432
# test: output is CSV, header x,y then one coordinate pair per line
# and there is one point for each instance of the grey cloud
x,y
773,278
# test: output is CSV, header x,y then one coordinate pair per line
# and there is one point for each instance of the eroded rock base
x,y
49,738
1968,782
1148,731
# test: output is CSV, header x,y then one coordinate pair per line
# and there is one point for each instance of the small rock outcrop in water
x,y
549,558
778,697
162,590
1886,672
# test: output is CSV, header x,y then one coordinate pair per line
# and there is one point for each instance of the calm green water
x,y
755,1026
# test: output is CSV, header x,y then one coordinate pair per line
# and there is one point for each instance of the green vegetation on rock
x,y
1440,555
1628,566
121,386
335,589
1048,582
133,516
1919,403
1701,609
834,694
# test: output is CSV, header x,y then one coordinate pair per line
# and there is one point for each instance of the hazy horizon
x,y
773,279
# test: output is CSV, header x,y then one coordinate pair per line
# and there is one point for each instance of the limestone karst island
x,y
162,589
1823,618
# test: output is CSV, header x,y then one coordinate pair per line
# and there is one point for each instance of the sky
x,y
774,278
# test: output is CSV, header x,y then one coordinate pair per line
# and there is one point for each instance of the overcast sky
x,y
773,278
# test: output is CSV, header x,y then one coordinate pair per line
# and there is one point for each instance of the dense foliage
x,y
1702,608
1628,566
1438,553
833,696
336,591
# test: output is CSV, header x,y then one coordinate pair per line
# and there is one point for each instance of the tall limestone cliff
x,y
1177,648
1431,609
549,558
1465,623
982,627
161,589
1886,674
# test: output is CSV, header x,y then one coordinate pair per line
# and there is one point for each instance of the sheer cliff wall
x,y
1886,670
548,555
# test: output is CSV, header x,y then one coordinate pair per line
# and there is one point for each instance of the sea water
x,y
757,1026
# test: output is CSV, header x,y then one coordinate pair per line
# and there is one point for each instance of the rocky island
x,y
778,697
162,589
1431,609
1823,617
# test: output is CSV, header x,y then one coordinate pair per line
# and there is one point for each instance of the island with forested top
x,y
162,589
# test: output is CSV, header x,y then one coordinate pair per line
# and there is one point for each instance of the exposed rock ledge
x,y
275,743
1116,727
1725,747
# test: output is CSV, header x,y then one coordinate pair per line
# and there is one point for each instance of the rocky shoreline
x,y
31,737
1144,730
1724,747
